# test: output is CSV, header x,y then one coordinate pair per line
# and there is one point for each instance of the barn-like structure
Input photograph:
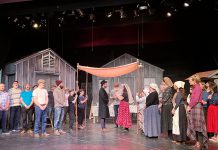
x,y
45,64
136,80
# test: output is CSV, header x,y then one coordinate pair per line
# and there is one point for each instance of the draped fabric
x,y
112,71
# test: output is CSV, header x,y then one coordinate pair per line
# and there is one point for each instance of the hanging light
x,y
109,14
92,17
168,14
35,25
143,6
81,13
136,13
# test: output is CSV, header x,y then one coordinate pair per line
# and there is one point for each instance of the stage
x,y
92,139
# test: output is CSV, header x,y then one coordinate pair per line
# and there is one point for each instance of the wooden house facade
x,y
45,64
139,79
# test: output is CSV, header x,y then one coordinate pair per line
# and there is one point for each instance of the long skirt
x,y
124,116
141,119
196,123
212,119
180,124
152,126
166,117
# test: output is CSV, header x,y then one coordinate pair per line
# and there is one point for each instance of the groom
x,y
103,104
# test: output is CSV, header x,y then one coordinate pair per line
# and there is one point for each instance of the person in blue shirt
x,y
81,108
27,109
205,94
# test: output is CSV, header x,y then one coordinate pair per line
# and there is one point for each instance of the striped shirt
x,y
14,95
4,98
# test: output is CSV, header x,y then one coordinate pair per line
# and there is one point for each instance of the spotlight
x,y
35,25
168,14
23,26
109,14
81,14
122,14
143,6
186,4
27,18
92,17
15,20
136,13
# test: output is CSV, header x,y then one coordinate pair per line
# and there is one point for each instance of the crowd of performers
x,y
22,111
161,109
167,109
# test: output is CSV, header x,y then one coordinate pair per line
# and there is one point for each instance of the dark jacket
x,y
103,104
152,99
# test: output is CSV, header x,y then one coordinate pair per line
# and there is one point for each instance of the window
x,y
48,60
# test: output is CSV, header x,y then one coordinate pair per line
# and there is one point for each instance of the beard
x,y
61,86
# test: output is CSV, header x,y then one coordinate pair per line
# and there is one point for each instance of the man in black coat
x,y
103,104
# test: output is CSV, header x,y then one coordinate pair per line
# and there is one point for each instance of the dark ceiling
x,y
80,31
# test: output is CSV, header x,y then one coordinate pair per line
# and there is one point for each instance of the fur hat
x,y
179,84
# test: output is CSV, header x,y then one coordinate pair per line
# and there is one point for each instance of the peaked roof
x,y
128,55
206,74
41,52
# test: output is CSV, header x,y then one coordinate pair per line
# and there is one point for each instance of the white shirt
x,y
141,102
40,95
66,100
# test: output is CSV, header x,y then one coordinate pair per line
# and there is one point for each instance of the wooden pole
x,y
77,87
137,126
86,95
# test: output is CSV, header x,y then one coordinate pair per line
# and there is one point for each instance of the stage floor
x,y
92,139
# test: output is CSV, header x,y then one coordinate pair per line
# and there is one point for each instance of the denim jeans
x,y
50,111
58,118
40,114
3,120
14,117
116,108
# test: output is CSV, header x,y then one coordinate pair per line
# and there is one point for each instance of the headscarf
x,y
155,87
131,100
179,84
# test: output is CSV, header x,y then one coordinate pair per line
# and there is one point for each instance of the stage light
x,y
81,14
186,4
136,13
143,6
92,17
35,25
168,14
15,20
109,14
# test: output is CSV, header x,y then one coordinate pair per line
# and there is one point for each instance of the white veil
x,y
131,100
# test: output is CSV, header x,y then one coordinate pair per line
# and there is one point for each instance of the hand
x,y
203,102
210,96
159,106
188,109
173,111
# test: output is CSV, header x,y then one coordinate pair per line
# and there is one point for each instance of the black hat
x,y
103,82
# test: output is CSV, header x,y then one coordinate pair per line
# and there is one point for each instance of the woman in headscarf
x,y
179,113
167,106
196,121
151,113
141,99
124,116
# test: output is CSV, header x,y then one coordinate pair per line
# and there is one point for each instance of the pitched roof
x,y
206,74
126,54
